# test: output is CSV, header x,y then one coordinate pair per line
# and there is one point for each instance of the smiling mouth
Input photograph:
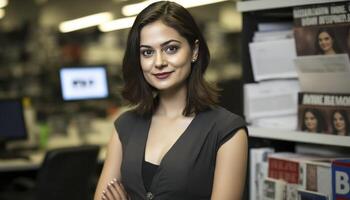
x,y
162,75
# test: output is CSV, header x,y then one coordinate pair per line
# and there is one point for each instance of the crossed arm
x,y
109,187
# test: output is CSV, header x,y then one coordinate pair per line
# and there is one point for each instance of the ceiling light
x,y
2,13
134,9
117,24
3,3
85,22
193,3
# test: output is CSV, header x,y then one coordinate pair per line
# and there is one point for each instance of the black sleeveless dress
x,y
187,169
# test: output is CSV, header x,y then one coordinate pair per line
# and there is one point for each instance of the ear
x,y
195,51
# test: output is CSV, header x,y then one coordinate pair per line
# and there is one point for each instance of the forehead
x,y
337,114
156,33
309,113
324,34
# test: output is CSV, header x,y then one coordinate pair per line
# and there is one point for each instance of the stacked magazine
x,y
293,176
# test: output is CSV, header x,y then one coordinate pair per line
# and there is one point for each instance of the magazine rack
x,y
258,11
273,11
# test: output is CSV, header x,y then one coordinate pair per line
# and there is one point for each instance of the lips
x,y
162,75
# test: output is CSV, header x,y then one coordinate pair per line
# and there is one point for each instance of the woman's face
x,y
339,122
165,56
310,122
325,41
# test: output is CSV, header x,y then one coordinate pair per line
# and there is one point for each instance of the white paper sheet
x,y
324,73
270,98
272,36
275,26
273,59
281,122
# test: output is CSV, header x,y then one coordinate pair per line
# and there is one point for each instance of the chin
x,y
166,87
162,87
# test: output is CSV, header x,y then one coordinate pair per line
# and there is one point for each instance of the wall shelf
x,y
255,5
299,136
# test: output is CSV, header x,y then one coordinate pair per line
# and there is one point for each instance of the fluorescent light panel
x,y
134,9
85,22
3,3
123,23
2,13
117,24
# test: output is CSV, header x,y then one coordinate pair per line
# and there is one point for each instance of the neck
x,y
342,132
172,102
313,130
331,51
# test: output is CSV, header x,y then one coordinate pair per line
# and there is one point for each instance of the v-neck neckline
x,y
166,155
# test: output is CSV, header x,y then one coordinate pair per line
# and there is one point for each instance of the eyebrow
x,y
162,45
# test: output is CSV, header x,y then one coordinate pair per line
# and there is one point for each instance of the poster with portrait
x,y
322,29
324,113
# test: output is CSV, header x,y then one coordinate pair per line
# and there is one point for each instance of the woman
x,y
176,143
326,43
313,121
340,122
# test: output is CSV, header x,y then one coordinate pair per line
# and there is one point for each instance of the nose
x,y
160,61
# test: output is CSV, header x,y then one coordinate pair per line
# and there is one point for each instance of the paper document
x,y
270,98
275,26
327,74
272,36
282,122
273,59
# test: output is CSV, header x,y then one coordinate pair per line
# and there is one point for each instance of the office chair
x,y
66,174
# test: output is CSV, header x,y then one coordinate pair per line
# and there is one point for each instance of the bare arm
x,y
111,167
230,170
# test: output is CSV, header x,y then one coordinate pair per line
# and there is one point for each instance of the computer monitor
x,y
84,83
12,123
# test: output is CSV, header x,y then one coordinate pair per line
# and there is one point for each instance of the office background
x,y
34,49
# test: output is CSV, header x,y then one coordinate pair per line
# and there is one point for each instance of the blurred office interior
x,y
34,49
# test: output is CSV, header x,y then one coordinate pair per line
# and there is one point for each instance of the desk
x,y
34,161
103,130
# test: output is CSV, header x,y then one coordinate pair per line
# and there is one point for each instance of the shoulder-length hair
x,y
335,45
200,94
321,126
344,114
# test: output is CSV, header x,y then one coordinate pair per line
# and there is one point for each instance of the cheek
x,y
183,67
146,65
181,61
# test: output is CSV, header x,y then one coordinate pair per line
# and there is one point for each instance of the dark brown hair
x,y
200,94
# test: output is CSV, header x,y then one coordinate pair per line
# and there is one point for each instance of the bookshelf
x,y
299,136
255,5
262,11
255,12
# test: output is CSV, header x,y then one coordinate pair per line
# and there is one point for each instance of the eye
x,y
171,49
147,52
